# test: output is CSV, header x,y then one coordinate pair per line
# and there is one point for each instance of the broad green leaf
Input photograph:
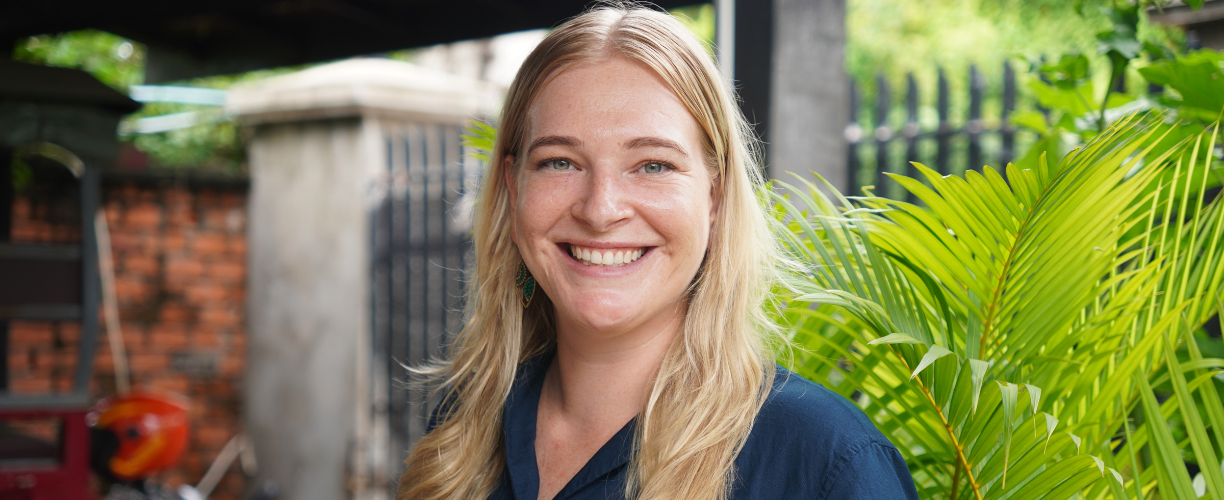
x,y
935,352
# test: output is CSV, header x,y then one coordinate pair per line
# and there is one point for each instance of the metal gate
x,y
421,251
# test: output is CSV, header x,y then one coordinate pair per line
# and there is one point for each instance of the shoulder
x,y
796,403
808,441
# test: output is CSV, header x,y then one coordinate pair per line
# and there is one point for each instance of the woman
x,y
617,346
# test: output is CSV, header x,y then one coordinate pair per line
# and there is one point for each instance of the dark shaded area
x,y
21,82
40,281
754,27
195,38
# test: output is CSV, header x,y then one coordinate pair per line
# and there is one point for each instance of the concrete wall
x,y
307,303
317,148
789,60
810,102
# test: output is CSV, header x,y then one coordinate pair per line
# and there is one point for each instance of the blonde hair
x,y
714,376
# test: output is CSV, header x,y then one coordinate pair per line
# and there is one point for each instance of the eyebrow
x,y
640,142
655,142
554,140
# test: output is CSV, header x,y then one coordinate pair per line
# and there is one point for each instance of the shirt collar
x,y
519,430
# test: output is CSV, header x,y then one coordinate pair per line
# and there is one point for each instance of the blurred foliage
x,y
897,37
111,59
1189,88
213,143
700,20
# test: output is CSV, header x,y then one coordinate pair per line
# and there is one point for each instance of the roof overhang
x,y
191,38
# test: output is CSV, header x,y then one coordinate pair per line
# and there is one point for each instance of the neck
x,y
605,378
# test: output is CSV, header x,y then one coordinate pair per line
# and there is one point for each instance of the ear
x,y
716,196
511,190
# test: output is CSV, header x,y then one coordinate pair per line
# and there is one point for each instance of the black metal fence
x,y
879,141
420,250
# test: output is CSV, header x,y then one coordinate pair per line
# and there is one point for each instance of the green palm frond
x,y
1007,333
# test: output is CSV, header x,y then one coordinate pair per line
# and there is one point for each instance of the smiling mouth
x,y
611,257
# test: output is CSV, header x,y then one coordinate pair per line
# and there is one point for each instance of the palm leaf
x,y
1004,331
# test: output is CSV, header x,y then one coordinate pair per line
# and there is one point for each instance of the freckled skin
x,y
605,196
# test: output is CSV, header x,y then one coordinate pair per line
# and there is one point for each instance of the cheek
x,y
542,201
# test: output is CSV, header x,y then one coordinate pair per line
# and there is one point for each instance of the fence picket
x,y
974,126
945,128
911,130
882,133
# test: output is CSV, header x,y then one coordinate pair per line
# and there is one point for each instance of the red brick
x,y
18,362
30,332
219,317
232,366
212,436
205,294
207,337
175,241
183,269
216,218
232,199
167,337
175,196
208,244
30,385
174,311
138,264
124,240
144,215
227,272
238,246
131,290
21,208
148,363
169,383
133,336
69,331
112,214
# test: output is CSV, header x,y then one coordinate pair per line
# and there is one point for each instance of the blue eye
x,y
557,164
655,167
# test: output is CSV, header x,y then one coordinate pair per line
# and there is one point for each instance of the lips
x,y
611,257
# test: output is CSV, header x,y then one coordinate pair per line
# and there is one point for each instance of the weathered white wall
x,y
308,303
315,401
810,102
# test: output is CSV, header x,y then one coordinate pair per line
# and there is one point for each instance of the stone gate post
x,y
318,155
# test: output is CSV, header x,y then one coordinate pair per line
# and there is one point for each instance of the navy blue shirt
x,y
807,442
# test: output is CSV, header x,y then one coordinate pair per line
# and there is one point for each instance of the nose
x,y
604,204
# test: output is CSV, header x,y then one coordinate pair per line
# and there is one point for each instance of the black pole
x,y
945,129
1009,106
854,136
6,233
911,132
974,126
882,136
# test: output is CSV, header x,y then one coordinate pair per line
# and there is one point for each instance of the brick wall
x,y
180,270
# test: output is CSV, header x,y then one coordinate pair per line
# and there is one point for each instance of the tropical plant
x,y
1008,334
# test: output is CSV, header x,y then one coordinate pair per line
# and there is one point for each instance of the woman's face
x,y
612,206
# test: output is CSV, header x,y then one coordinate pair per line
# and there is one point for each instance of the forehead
x,y
612,98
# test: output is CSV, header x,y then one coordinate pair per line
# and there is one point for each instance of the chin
x,y
604,317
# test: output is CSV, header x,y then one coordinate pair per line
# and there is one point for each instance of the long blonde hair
x,y
714,376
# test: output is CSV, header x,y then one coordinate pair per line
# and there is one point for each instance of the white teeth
x,y
605,258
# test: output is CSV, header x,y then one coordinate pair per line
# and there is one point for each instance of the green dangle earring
x,y
526,281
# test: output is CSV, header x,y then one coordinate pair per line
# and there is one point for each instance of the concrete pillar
x,y
318,152
790,70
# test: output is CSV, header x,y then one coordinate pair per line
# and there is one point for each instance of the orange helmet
x,y
152,432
